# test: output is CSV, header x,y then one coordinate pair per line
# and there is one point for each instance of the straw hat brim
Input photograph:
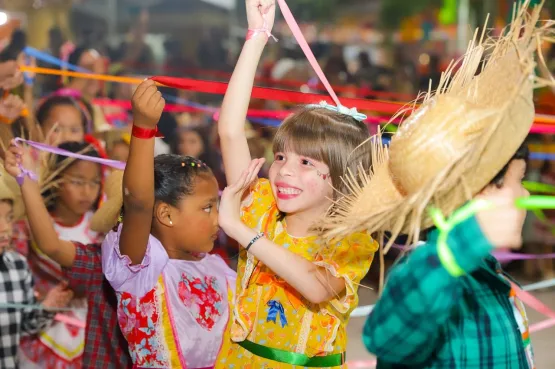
x,y
453,145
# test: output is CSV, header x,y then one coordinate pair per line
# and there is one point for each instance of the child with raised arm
x,y
458,162
173,296
17,287
81,266
294,291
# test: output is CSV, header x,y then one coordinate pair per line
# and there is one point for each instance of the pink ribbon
x,y
251,33
533,302
71,321
292,23
55,150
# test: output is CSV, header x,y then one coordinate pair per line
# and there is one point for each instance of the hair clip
x,y
193,163
340,109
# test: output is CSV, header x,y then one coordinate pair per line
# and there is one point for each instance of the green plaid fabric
x,y
427,319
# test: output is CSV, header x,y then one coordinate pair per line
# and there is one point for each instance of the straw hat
x,y
106,217
454,144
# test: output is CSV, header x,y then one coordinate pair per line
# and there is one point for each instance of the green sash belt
x,y
293,358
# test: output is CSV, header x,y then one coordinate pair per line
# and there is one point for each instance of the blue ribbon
x,y
47,58
276,307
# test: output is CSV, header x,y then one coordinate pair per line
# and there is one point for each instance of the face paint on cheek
x,y
322,175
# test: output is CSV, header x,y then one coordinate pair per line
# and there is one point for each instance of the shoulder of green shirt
x,y
418,288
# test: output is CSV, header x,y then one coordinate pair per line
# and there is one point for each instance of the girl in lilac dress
x,y
173,297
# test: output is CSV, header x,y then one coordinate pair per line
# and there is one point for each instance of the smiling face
x,y
300,184
312,150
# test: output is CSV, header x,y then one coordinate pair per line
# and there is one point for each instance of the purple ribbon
x,y
503,256
25,173
55,150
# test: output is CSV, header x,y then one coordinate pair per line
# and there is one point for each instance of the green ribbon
x,y
446,257
538,187
293,358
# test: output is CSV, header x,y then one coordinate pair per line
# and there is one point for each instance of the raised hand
x,y
230,202
148,105
260,11
10,75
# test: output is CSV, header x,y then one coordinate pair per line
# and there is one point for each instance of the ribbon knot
x,y
25,173
352,112
255,32
276,307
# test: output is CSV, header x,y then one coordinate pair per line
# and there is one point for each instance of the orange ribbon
x,y
273,281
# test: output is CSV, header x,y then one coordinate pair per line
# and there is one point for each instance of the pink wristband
x,y
252,33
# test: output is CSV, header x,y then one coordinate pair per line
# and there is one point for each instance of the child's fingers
x,y
142,88
161,103
253,173
240,184
154,98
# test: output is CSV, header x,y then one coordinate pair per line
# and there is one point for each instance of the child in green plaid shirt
x,y
427,318
447,304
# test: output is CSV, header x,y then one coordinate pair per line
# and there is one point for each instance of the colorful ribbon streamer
x,y
9,305
50,59
297,33
538,187
55,150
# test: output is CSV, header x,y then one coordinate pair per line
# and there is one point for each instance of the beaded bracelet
x,y
253,241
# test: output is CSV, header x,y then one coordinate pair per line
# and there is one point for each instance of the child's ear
x,y
162,213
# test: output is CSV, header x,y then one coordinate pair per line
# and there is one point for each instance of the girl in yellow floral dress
x,y
294,291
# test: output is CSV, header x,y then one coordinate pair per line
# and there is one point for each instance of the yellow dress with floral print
x,y
303,328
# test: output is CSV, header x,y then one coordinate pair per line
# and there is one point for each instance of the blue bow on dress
x,y
276,307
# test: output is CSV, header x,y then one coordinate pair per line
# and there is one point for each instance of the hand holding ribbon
x,y
260,16
16,163
500,215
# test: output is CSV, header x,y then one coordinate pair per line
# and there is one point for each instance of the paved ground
x,y
543,341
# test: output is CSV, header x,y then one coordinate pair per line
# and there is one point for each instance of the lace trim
x,y
304,332
126,259
342,306
329,346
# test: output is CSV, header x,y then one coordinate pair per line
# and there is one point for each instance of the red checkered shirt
x,y
105,346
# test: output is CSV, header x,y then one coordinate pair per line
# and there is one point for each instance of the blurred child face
x,y
6,224
198,212
120,151
301,185
190,144
513,179
80,187
69,126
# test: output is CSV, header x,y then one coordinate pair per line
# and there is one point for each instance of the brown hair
x,y
327,136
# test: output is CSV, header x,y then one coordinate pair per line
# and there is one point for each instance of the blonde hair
x,y
336,139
